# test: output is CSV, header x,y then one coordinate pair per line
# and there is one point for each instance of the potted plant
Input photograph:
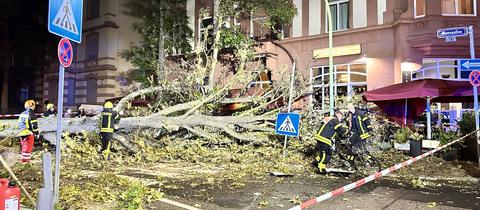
x,y
446,137
401,137
416,144
468,149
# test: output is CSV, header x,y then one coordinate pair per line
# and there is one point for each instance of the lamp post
x,y
330,59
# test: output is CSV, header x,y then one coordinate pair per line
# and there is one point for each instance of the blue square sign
x,y
288,124
65,18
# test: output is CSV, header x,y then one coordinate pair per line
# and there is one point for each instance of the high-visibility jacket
x,y
108,118
28,123
361,125
328,131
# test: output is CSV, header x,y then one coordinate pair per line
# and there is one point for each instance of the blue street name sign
x,y
469,64
65,18
452,32
287,124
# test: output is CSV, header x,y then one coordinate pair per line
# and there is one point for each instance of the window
x,y
459,7
93,9
340,14
350,79
92,46
71,92
53,90
91,91
206,32
24,93
419,8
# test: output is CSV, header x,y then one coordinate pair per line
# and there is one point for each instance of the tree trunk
x,y
4,97
216,45
5,59
161,74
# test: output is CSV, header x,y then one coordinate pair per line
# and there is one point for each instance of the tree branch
x,y
132,96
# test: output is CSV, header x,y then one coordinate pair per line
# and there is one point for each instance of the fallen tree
x,y
184,104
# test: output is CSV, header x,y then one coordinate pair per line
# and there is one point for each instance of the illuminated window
x,y
340,14
459,7
350,79
419,8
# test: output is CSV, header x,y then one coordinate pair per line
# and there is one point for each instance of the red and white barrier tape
x,y
14,115
370,178
8,115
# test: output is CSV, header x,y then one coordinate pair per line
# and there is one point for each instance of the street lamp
x,y
330,58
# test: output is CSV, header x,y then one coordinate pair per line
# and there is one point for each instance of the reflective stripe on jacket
x,y
28,123
361,125
108,118
328,131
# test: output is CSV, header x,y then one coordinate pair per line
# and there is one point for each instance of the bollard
x,y
45,194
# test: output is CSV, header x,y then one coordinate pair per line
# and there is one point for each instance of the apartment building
x,y
96,72
376,43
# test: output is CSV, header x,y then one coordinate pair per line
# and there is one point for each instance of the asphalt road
x,y
275,193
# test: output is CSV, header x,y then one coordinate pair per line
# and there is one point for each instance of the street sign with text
x,y
65,18
452,32
469,64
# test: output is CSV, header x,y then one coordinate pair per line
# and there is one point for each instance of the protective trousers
x,y
355,142
27,147
324,153
106,137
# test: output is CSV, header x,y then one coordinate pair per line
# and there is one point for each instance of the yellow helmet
x,y
49,106
108,105
29,104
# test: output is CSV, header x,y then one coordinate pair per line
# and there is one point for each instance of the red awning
x,y
391,99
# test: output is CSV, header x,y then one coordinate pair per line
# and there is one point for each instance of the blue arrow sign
x,y
65,18
452,32
287,124
469,64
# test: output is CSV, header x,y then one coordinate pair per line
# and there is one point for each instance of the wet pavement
x,y
283,193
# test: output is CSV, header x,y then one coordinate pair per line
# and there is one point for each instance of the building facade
x,y
376,43
97,69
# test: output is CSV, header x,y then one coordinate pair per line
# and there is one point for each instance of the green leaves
x,y
171,17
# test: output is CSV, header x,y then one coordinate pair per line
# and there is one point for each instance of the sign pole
x,y
331,90
292,81
59,133
475,91
65,57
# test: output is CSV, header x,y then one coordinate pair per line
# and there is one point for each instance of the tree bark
x,y
5,59
216,44
161,74
4,97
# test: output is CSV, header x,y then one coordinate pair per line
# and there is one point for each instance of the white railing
x,y
435,71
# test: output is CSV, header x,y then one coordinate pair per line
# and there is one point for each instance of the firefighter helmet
x,y
49,106
29,104
108,105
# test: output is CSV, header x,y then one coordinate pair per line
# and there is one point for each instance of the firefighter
x,y
108,118
27,122
359,126
50,110
329,130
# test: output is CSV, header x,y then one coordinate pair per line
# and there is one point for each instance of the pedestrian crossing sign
x,y
287,124
65,18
